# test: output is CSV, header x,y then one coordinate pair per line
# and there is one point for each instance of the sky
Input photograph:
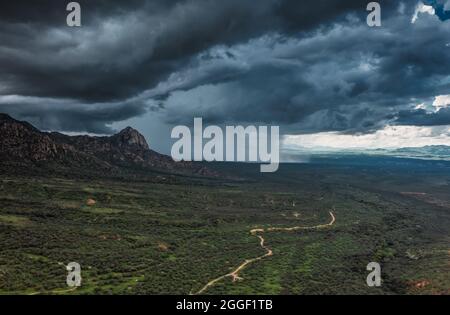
x,y
317,69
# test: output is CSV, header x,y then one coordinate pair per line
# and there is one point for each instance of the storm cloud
x,y
306,67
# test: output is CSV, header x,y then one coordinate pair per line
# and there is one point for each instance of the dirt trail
x,y
54,291
255,232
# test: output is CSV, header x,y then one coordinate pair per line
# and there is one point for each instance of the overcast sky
x,y
315,68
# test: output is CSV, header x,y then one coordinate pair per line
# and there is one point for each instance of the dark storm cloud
x,y
126,47
346,78
307,66
421,117
69,116
48,12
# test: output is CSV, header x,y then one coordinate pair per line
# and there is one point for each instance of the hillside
x,y
24,146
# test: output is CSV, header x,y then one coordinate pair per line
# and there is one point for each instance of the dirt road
x,y
235,274
54,292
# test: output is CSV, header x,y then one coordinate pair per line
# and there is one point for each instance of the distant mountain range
x,y
436,152
23,145
440,152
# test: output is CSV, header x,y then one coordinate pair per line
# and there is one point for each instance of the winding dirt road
x,y
235,274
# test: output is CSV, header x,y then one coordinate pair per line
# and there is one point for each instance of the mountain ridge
x,y
22,144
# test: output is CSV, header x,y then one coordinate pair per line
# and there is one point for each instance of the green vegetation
x,y
145,237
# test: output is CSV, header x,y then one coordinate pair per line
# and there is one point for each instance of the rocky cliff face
x,y
23,144
130,138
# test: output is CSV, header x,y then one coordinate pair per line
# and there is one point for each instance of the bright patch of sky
x,y
422,8
441,101
389,137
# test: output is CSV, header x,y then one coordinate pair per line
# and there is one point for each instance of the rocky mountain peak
x,y
131,137
5,117
8,122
